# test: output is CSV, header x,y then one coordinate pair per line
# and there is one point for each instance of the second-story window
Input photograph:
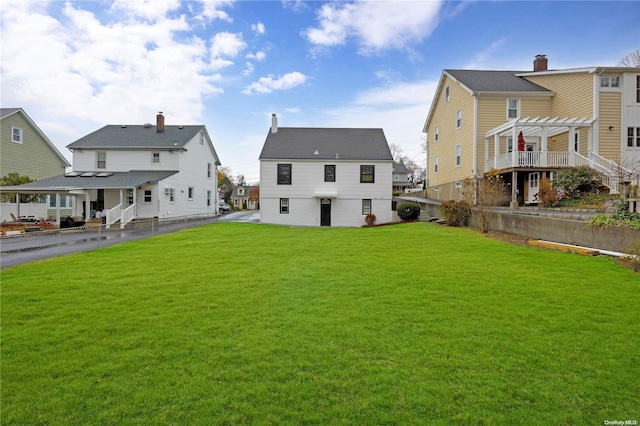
x,y
284,174
513,108
446,94
209,170
437,133
459,119
435,164
101,162
367,173
201,138
155,158
458,155
16,134
329,173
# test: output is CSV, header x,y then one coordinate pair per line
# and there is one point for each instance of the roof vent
x,y
124,126
147,125
180,127
337,156
316,153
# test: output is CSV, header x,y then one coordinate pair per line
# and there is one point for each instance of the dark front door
x,y
325,212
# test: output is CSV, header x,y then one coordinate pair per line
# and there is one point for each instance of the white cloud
x,y
227,44
153,10
211,9
376,25
75,73
258,56
258,28
269,84
483,60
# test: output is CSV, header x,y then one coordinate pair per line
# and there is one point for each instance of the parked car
x,y
224,206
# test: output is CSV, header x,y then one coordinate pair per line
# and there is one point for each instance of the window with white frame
x,y
65,201
513,108
172,195
208,198
366,206
147,196
458,155
459,119
609,81
201,138
437,133
633,134
209,170
129,197
190,193
101,160
435,164
284,205
446,94
155,157
16,134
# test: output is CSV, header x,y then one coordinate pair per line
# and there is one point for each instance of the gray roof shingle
x,y
7,111
116,180
495,81
302,143
137,136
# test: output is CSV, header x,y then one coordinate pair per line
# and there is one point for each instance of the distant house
x,y
241,197
27,151
324,176
401,177
526,125
138,171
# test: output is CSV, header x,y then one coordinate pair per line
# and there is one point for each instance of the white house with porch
x,y
129,172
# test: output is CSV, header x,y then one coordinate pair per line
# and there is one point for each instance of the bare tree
x,y
631,60
483,194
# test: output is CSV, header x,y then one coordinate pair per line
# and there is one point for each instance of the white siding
x,y
123,161
308,179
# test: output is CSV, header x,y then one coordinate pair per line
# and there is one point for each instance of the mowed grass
x,y
256,324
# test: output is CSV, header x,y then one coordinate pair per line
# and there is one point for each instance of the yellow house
x,y
562,118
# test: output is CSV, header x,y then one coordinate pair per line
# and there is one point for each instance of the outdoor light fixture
x,y
611,128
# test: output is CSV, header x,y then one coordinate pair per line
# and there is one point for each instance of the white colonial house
x,y
325,176
130,172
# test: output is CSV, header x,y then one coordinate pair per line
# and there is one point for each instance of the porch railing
x,y
113,215
537,159
128,215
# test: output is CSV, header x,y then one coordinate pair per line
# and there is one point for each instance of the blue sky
x,y
79,65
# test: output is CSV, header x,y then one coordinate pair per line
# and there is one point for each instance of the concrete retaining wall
x,y
576,232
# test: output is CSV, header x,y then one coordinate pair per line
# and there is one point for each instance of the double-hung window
x,y
367,173
458,119
16,134
155,158
458,155
147,196
366,206
513,108
284,174
284,205
190,193
437,133
435,164
633,133
101,162
447,92
329,173
209,170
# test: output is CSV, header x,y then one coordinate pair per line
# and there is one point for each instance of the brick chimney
x,y
274,123
540,63
160,122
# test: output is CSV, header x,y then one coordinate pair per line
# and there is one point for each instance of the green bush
x,y
577,180
622,217
408,211
455,213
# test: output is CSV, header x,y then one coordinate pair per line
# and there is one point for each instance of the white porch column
x,y
514,147
543,146
87,206
18,206
58,208
496,150
121,204
572,146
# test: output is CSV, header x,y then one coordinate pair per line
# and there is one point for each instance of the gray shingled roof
x,y
7,111
137,136
116,180
301,143
495,81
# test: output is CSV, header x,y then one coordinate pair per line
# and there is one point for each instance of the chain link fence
x,y
30,243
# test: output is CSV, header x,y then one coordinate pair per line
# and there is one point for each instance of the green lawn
x,y
257,324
